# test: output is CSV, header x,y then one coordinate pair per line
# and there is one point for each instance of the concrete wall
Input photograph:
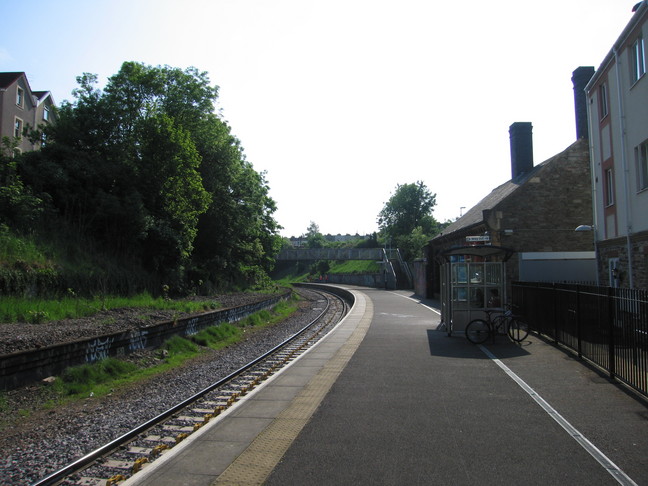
x,y
420,277
332,254
19,369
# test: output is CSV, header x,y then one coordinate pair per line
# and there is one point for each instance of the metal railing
x,y
604,325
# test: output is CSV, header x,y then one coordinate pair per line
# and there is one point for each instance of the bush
x,y
81,379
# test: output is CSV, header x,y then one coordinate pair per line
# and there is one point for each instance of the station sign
x,y
476,239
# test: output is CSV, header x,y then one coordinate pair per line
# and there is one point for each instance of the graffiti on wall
x,y
192,327
137,339
98,349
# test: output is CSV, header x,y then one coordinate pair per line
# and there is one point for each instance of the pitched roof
x,y
475,215
7,79
43,95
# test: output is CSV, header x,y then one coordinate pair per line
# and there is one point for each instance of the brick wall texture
x,y
540,215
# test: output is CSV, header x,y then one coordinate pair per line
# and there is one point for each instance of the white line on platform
x,y
418,302
609,466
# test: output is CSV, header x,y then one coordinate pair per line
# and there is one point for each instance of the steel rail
x,y
83,462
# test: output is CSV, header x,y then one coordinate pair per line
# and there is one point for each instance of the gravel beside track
x,y
46,440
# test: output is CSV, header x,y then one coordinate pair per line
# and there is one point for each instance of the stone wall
x,y
540,215
618,248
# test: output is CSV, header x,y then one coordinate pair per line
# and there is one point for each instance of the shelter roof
x,y
486,251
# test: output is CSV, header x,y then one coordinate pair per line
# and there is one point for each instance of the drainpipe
x,y
595,226
624,163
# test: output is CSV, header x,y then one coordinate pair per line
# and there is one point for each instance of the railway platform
x,y
387,399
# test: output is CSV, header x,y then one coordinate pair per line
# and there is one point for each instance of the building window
x,y
46,113
603,101
20,97
641,159
637,60
18,128
609,187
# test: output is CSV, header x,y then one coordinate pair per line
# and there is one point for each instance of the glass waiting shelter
x,y
473,278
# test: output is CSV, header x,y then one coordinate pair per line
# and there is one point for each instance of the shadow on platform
x,y
458,346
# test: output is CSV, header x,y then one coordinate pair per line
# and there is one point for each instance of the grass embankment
x,y
35,311
300,272
106,376
355,266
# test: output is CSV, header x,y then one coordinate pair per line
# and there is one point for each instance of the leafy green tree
x,y
406,218
410,206
149,170
19,207
172,192
314,239
238,231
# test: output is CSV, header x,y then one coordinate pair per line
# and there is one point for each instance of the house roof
x,y
7,79
475,215
43,95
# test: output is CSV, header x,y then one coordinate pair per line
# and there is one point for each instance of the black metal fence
x,y
607,326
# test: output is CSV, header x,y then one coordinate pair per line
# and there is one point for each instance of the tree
x,y
407,218
19,208
238,233
409,207
148,169
314,239
171,190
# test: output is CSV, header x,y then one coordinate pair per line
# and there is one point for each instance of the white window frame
x,y
20,97
608,180
638,59
19,125
46,113
641,161
603,100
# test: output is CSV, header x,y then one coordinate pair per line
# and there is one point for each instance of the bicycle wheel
x,y
477,331
518,330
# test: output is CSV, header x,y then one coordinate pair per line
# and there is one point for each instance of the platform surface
x,y
387,399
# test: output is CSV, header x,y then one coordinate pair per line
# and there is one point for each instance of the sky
x,y
338,102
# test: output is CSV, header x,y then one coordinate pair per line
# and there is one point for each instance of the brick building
x,y
534,214
618,112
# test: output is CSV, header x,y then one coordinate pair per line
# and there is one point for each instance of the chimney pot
x,y
521,148
580,78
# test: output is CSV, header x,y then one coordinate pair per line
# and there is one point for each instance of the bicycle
x,y
478,330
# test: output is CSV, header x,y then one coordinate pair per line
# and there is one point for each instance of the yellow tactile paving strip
x,y
256,463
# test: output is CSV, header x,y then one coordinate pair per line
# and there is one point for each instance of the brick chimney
x,y
580,78
521,148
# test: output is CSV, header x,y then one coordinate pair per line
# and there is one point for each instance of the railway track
x,y
134,450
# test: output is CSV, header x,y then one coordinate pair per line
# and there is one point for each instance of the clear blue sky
x,y
338,101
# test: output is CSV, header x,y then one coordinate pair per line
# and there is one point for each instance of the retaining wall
x,y
19,369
